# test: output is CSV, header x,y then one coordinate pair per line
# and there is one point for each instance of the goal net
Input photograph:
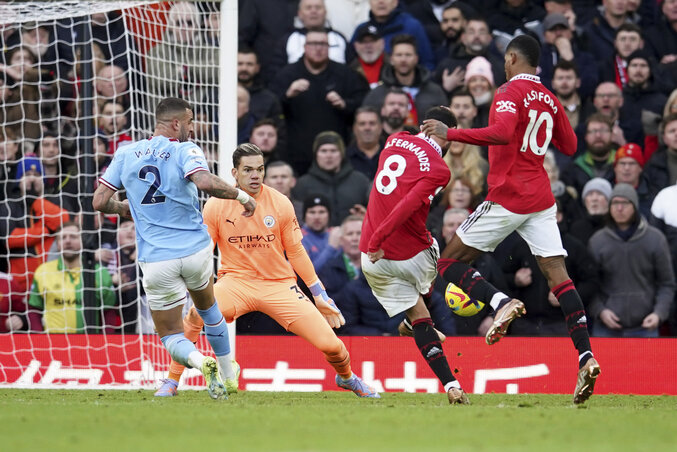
x,y
78,79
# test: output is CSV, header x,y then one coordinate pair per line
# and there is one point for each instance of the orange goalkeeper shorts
x,y
282,300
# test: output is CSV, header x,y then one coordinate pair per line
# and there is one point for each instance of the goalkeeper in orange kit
x,y
254,274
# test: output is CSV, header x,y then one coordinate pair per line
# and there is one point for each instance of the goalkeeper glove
x,y
326,305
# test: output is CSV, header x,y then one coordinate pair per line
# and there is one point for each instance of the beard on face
x,y
394,122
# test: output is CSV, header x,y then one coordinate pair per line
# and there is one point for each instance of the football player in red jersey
x,y
524,119
399,254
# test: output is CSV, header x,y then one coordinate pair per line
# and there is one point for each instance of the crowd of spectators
x,y
321,85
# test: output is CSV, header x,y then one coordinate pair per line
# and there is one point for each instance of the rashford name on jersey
x,y
541,97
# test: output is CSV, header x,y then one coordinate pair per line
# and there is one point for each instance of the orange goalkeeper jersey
x,y
253,247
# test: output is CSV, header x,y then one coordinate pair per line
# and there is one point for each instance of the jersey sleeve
x,y
112,177
504,111
289,225
422,192
192,159
563,137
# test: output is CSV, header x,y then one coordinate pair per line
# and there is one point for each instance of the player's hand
x,y
433,127
249,207
375,256
610,319
335,100
651,321
126,211
326,306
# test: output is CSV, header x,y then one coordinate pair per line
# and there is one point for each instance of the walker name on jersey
x,y
423,161
156,153
542,97
252,241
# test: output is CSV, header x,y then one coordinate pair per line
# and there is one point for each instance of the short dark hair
x,y
627,26
243,150
368,109
598,117
403,39
566,65
465,10
394,90
528,47
443,115
246,50
463,92
264,122
171,108
280,164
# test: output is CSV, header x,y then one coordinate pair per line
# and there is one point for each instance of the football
x,y
460,303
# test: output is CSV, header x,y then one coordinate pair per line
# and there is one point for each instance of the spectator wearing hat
x,y
475,40
628,164
312,15
391,19
405,72
317,94
479,80
637,281
370,57
642,98
560,44
28,223
596,195
332,176
661,169
316,214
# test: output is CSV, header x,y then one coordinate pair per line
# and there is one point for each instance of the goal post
x,y
79,79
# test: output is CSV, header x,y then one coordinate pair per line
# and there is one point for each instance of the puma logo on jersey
x,y
505,106
230,221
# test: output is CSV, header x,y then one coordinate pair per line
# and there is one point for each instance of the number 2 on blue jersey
x,y
150,197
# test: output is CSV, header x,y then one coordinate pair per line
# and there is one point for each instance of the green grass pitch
x,y
85,420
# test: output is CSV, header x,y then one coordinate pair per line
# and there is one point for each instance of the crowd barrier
x,y
391,364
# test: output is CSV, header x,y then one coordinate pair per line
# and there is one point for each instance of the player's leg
x,y
229,298
166,295
311,326
542,235
287,305
405,328
397,286
197,271
430,346
570,302
480,232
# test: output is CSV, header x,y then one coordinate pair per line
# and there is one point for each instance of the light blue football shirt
x,y
163,201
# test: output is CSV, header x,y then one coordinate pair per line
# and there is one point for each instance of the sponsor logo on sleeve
x,y
505,106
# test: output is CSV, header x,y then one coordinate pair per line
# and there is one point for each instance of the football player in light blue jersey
x,y
161,176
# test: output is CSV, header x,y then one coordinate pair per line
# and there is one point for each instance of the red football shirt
x,y
410,172
524,120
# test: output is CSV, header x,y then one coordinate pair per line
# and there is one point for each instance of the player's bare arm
x,y
217,187
103,202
